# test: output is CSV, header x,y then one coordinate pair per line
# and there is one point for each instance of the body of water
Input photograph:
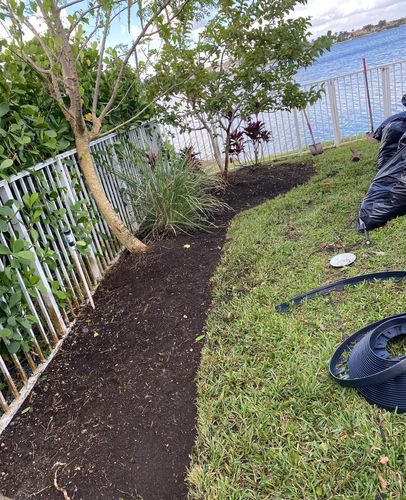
x,y
289,130
377,48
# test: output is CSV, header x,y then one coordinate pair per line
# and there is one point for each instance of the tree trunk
x,y
210,128
224,173
118,228
216,149
256,153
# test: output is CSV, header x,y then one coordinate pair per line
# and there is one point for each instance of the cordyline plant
x,y
58,58
236,144
257,135
244,62
192,158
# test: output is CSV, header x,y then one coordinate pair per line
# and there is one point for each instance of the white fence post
x,y
386,97
331,89
297,129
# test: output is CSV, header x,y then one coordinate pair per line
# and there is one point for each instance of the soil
x,y
113,417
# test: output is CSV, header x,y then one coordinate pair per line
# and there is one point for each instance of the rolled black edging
x,y
361,361
339,285
397,368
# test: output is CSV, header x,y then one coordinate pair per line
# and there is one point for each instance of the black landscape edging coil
x,y
362,360
339,285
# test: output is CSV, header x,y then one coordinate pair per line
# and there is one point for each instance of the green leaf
x,y
30,199
6,211
41,287
11,321
4,250
25,256
14,299
5,332
26,345
34,235
6,164
24,323
14,347
60,295
4,108
18,245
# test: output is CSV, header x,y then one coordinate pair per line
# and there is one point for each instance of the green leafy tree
x,y
32,128
59,59
244,62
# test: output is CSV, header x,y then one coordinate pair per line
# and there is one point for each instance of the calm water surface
x,y
378,48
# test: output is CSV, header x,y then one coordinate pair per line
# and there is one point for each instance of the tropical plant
x,y
236,144
171,197
257,135
191,157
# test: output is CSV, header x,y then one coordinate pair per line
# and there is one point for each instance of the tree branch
x,y
127,58
67,5
90,36
122,99
139,112
100,66
81,16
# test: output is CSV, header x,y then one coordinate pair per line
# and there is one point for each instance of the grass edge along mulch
x,y
271,423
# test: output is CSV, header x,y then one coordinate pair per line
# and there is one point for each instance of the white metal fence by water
x,y
70,272
339,116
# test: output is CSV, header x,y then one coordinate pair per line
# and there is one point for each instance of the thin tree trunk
x,y
213,139
224,173
256,153
118,228
216,149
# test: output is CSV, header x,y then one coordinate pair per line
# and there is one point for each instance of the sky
x,y
327,15
344,15
334,15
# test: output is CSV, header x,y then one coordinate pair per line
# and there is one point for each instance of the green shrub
x,y
168,194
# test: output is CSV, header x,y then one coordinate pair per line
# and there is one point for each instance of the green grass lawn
x,y
271,422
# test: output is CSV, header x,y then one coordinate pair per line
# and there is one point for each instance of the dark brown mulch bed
x,y
114,415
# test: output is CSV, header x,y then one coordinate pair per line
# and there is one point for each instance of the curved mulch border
x,y
114,415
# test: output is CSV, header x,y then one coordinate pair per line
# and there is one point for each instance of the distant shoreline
x,y
361,36
346,36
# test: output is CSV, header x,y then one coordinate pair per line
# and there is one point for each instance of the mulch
x,y
114,415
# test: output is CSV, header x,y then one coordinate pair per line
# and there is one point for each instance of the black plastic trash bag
x,y
391,136
386,197
394,118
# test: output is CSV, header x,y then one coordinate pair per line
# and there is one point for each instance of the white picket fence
x,y
339,116
73,273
